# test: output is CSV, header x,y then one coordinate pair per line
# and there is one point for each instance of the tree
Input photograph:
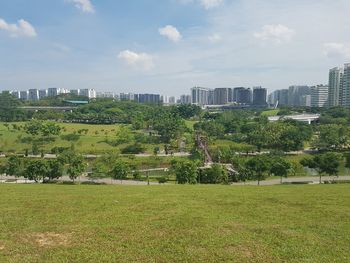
x,y
216,174
36,170
280,167
50,129
347,160
327,163
120,170
54,169
14,166
74,163
258,166
186,171
33,127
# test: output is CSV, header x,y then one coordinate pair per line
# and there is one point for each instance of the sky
x,y
169,46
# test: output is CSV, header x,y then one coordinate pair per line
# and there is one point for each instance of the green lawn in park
x,y
269,113
91,143
77,223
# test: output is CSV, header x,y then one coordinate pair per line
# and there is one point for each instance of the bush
x,y
72,137
133,149
162,180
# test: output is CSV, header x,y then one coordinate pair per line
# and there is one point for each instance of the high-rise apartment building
x,y
335,86
33,94
53,92
149,98
42,94
259,96
319,96
222,95
89,93
185,99
23,95
243,95
346,86
201,96
296,93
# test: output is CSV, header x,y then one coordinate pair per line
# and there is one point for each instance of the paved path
x,y
311,179
82,179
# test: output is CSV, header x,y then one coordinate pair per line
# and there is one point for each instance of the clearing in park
x,y
77,223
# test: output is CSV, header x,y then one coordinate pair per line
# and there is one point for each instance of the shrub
x,y
133,149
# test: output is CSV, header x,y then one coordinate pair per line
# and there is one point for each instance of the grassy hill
x,y
57,223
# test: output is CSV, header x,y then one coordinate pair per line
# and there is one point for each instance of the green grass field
x,y
91,143
58,223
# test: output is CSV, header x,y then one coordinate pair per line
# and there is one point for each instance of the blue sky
x,y
168,46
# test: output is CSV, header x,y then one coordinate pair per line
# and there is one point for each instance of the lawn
x,y
93,142
60,223
269,113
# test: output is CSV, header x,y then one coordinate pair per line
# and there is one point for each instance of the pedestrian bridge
x,y
308,118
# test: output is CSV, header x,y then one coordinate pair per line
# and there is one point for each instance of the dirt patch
x,y
51,239
2,247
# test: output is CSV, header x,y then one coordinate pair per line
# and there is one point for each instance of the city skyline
x,y
170,46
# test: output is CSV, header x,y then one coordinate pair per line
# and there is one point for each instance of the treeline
x,y
184,171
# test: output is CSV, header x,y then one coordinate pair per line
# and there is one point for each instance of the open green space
x,y
93,141
58,223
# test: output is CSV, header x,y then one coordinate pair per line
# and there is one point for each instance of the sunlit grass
x,y
56,223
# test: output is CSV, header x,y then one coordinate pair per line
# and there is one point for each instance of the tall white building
x,y
89,93
346,86
202,96
319,96
335,87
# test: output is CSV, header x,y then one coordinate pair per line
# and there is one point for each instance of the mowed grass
x,y
57,223
93,142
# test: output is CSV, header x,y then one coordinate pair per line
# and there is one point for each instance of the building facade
x,y
259,96
335,87
243,95
319,96
346,86
201,96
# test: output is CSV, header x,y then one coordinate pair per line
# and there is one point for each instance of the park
x,y
125,182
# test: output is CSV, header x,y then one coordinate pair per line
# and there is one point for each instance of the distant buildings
x,y
297,95
148,98
33,95
185,99
339,86
319,96
222,96
259,96
89,93
242,95
42,94
335,86
200,96
346,86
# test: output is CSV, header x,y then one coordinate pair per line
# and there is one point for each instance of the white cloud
x,y
171,33
142,61
207,4
275,33
85,5
22,28
215,38
336,50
